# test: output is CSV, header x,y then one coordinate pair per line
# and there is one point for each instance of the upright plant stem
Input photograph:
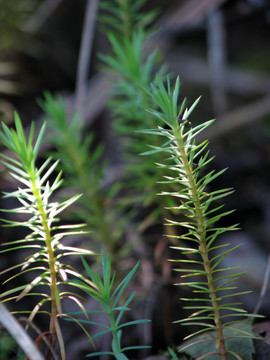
x,y
45,234
201,231
92,201
55,304
114,333
124,8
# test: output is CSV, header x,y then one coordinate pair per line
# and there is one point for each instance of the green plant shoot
x,y
46,234
110,300
188,163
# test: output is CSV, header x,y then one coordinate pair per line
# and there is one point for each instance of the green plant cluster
x,y
46,241
173,178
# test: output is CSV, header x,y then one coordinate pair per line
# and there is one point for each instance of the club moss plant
x,y
84,167
211,304
186,163
135,70
45,239
110,297
185,188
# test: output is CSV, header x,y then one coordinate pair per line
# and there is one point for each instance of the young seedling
x,y
111,301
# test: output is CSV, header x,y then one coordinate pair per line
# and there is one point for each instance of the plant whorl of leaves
x,y
110,299
45,238
124,17
187,164
135,69
130,98
84,168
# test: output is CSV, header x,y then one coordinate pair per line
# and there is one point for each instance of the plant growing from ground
x,y
111,301
135,72
203,210
84,167
46,233
45,240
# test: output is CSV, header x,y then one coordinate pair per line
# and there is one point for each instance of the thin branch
x,y
41,15
240,81
19,334
217,59
184,15
240,117
41,335
85,54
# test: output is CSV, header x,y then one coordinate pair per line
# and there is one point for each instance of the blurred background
x,y
221,50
